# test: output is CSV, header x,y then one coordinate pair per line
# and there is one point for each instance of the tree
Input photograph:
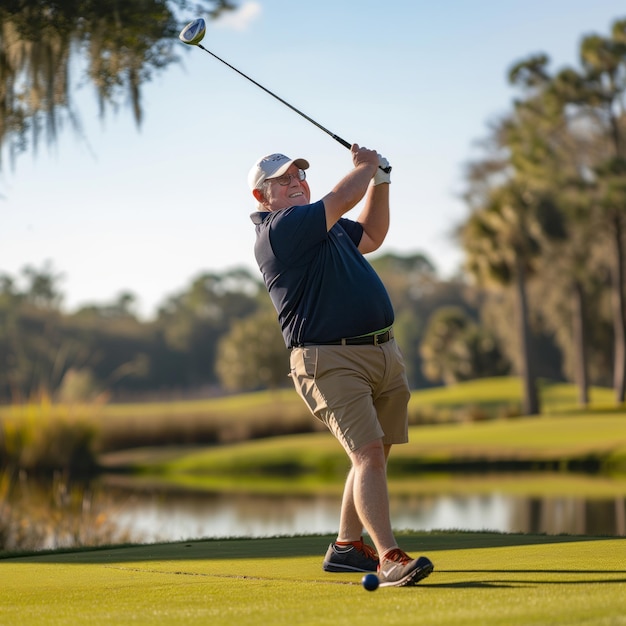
x,y
416,292
122,43
192,322
588,107
598,94
454,348
552,155
42,288
253,354
501,240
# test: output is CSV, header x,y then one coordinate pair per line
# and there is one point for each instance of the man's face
x,y
295,193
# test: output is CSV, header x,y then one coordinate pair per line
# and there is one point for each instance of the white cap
x,y
271,166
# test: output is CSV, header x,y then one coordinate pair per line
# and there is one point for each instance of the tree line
x,y
548,212
220,334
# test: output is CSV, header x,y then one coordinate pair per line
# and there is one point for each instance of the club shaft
x,y
343,142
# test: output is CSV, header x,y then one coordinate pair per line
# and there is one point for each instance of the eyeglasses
x,y
285,179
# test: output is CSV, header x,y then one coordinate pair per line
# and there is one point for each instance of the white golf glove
x,y
381,176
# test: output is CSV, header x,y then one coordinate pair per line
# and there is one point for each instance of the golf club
x,y
193,34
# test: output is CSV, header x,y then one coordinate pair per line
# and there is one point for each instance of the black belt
x,y
366,340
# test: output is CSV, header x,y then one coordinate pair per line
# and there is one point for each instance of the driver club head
x,y
193,33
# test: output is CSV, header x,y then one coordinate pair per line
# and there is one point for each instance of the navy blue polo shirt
x,y
321,285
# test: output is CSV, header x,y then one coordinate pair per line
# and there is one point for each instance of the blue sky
x,y
146,210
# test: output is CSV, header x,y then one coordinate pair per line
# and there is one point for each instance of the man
x,y
336,318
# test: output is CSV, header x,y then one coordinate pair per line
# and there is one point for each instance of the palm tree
x,y
553,156
598,93
501,241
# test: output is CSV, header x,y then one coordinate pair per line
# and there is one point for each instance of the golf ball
x,y
370,582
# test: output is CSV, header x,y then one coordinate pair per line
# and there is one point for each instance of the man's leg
x,y
366,499
371,502
349,553
350,524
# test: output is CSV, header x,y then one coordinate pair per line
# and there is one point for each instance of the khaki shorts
x,y
360,392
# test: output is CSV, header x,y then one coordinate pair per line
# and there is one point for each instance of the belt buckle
x,y
376,338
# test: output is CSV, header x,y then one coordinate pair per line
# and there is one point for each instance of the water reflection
x,y
572,516
37,516
159,516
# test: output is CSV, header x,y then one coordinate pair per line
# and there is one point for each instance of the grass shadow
x,y
550,577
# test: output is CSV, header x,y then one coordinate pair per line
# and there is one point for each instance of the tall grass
x,y
69,437
54,513
204,422
42,438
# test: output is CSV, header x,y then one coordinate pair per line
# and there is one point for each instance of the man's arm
x,y
352,188
374,218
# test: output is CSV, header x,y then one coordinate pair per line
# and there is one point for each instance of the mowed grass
x,y
479,579
506,391
316,463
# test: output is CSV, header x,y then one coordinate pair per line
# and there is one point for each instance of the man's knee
x,y
371,454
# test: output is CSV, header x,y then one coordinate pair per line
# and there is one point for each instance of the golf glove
x,y
381,176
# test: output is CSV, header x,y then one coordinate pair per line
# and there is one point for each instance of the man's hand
x,y
381,175
351,188
363,156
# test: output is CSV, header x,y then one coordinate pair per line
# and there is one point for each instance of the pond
x,y
178,516
108,512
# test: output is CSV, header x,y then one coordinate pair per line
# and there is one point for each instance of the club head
x,y
193,33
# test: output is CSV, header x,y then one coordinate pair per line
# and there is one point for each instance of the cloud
x,y
241,18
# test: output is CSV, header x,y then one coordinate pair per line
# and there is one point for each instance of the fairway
x,y
479,578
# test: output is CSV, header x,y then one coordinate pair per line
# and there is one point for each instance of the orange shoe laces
x,y
363,547
397,555
368,550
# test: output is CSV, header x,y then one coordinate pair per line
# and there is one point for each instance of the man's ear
x,y
258,196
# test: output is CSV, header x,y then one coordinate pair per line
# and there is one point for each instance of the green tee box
x,y
479,578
